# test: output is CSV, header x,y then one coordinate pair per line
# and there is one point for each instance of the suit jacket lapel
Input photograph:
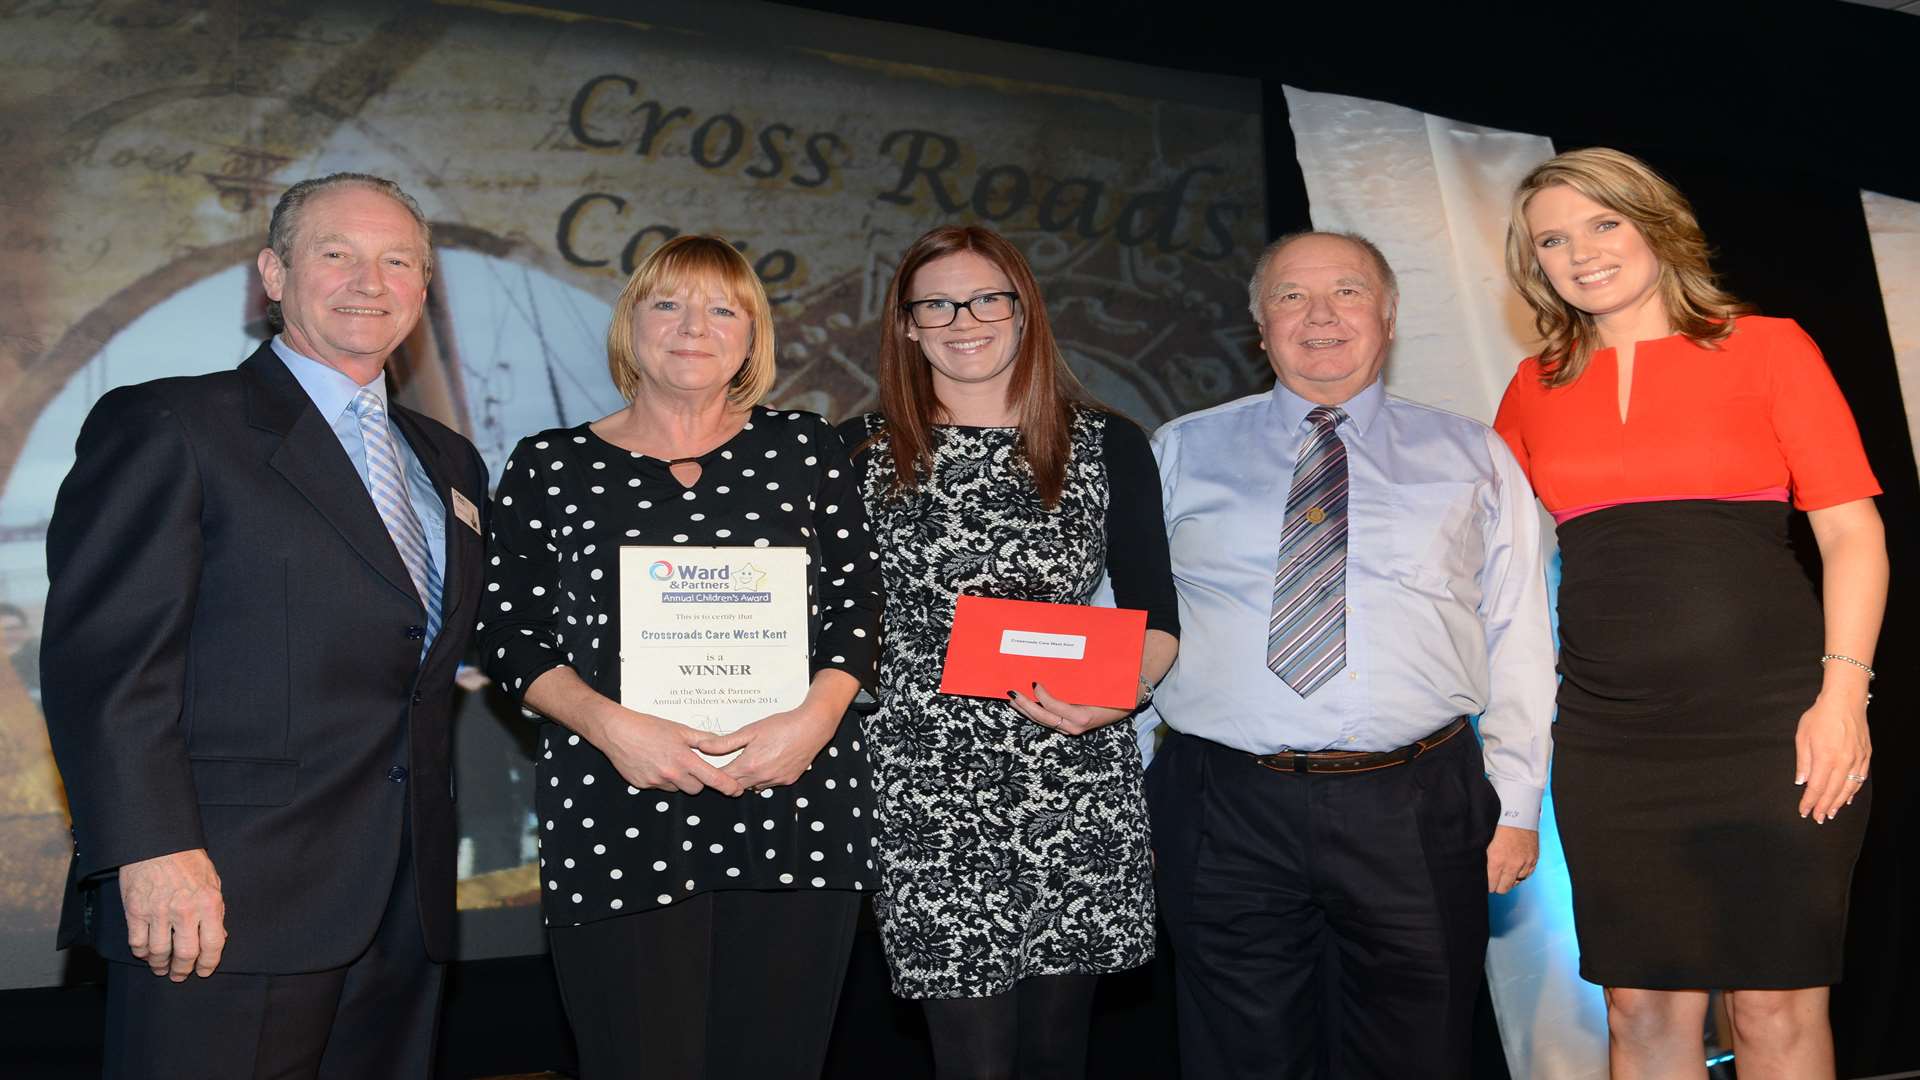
x,y
442,474
311,458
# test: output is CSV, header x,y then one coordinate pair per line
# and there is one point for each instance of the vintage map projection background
x,y
143,144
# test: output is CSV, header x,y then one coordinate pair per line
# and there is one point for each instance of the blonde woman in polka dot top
x,y
700,918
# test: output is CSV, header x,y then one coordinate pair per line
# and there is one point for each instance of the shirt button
x,y
397,774
1350,675
417,698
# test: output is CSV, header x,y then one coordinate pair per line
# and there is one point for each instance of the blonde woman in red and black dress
x,y
1711,754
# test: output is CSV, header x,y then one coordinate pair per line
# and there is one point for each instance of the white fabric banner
x,y
1895,228
1433,194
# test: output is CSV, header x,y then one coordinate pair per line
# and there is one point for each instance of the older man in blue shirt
x,y
1358,575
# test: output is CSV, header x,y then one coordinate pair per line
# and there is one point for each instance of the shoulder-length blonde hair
x,y
705,262
1043,389
1696,305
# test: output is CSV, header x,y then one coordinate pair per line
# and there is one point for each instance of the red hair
x,y
1043,390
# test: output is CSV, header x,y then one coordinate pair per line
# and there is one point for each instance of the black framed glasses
x,y
987,307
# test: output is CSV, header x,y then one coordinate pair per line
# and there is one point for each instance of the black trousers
x,y
737,983
1323,926
378,1016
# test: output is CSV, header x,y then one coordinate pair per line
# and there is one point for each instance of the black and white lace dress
x,y
1007,849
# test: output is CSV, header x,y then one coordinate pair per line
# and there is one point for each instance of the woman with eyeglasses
x,y
1012,833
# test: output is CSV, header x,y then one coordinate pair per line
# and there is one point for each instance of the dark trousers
x,y
1323,926
378,1016
739,983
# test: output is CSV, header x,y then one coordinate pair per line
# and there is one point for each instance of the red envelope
x,y
1082,655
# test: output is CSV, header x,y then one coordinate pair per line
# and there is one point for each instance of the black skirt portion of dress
x,y
1690,646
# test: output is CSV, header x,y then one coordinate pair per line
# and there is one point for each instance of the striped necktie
x,y
387,483
1307,633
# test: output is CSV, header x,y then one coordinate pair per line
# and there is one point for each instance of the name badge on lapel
x,y
464,509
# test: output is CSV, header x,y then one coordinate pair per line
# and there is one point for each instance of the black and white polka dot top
x,y
566,502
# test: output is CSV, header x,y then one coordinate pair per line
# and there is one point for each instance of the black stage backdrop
x,y
1771,118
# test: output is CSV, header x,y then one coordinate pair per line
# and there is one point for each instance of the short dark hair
x,y
286,219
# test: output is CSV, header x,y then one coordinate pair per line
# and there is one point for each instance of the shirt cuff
x,y
1519,803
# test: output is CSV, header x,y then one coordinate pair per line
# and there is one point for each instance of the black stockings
x,y
1035,1031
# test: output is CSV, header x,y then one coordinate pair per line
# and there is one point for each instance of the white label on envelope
x,y
1035,643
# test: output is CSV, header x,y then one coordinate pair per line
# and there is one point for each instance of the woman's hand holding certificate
x,y
647,751
652,753
775,750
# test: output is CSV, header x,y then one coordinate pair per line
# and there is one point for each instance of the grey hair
x,y
1387,278
285,222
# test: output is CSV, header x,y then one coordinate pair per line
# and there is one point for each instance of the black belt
x,y
1354,761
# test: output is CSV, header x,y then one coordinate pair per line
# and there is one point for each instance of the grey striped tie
x,y
387,483
1307,633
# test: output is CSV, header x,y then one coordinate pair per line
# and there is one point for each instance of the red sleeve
x,y
1509,420
1817,435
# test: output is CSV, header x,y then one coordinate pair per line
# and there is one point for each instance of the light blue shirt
x,y
1446,586
332,392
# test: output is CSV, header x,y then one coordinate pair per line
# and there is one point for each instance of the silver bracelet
x,y
1849,660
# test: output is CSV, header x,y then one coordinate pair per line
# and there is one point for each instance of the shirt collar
x,y
1361,408
330,388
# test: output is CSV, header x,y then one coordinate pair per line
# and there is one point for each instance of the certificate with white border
x,y
713,637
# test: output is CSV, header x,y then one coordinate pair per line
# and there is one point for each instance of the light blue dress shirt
x,y
1446,587
332,393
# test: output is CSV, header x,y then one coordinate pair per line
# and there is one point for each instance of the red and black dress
x,y
1690,646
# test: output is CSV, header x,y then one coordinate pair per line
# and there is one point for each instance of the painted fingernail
x,y
1036,684
1799,779
1013,695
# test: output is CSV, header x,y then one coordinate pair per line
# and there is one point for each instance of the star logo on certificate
x,y
751,576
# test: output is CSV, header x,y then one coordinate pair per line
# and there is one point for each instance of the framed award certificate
x,y
713,637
